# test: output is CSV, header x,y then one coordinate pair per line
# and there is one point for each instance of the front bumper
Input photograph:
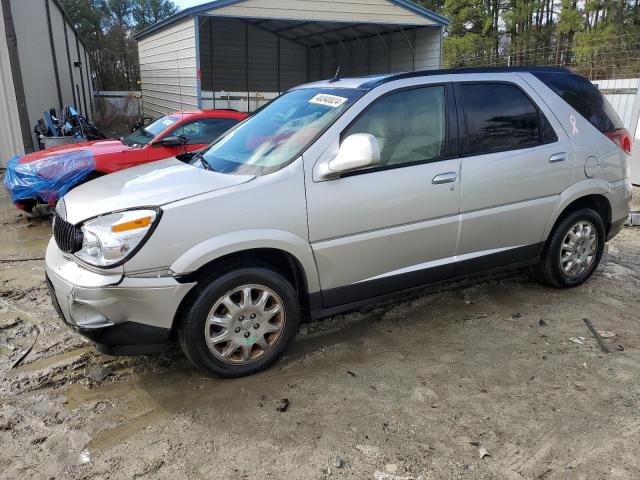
x,y
123,315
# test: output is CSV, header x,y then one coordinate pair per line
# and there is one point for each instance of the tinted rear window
x,y
584,97
501,117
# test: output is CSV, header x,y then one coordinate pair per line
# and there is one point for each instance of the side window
x,y
205,130
410,125
501,117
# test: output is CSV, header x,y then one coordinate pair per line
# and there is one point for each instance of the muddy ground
x,y
407,390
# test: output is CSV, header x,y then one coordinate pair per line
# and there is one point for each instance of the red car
x,y
45,176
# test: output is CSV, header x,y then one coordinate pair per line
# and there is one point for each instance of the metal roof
x,y
304,31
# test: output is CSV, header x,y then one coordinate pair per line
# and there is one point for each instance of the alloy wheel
x,y
579,248
245,324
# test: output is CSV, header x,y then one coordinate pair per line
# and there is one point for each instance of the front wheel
x,y
574,249
241,322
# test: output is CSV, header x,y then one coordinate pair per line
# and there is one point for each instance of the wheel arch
x,y
278,260
594,197
245,243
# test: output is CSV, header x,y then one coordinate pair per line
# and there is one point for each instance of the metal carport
x,y
241,53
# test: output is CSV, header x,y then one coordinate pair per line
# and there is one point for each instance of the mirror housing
x,y
172,141
357,151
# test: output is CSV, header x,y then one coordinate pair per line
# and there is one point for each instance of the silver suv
x,y
339,193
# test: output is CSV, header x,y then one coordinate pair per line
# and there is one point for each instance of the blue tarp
x,y
49,177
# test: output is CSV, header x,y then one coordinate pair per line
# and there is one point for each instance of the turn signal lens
x,y
132,225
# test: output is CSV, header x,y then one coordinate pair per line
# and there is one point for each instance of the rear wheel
x,y
241,322
574,249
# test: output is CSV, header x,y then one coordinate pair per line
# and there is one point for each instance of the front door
x,y
392,227
516,161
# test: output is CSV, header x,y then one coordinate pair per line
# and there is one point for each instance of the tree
x,y
106,27
149,12
598,38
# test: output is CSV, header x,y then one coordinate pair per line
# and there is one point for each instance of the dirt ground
x,y
408,390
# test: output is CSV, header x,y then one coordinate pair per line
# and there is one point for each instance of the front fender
x,y
592,186
243,240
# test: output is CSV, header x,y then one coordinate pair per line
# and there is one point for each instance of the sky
x,y
188,3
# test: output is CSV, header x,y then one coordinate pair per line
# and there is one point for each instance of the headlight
x,y
110,240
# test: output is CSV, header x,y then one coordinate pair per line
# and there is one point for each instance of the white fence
x,y
624,96
237,100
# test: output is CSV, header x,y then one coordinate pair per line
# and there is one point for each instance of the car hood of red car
x,y
97,148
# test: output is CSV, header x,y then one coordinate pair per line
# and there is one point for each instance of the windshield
x,y
144,135
277,134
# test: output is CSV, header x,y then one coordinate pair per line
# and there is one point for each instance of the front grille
x,y
68,236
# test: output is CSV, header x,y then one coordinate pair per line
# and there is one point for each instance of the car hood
x,y
151,184
97,148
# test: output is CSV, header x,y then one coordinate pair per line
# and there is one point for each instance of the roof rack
x,y
451,71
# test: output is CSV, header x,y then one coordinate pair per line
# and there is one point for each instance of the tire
x,y
552,270
248,327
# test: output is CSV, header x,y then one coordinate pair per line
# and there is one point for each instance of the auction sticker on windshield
x,y
328,100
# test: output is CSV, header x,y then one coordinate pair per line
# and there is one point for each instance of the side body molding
x,y
243,240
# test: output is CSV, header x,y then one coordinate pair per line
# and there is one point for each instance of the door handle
x,y
449,177
558,157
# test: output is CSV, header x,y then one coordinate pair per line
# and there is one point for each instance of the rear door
x,y
516,160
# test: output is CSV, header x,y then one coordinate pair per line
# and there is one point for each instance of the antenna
x,y
336,77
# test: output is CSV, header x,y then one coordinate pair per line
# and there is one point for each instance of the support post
x,y
56,74
16,75
66,42
246,63
212,58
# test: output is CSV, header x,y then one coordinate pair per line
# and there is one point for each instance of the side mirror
x,y
173,141
357,151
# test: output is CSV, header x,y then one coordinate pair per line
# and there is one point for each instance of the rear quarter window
x,y
584,97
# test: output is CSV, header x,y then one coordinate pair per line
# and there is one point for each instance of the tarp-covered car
x,y
45,176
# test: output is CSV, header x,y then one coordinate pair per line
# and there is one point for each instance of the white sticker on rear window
x,y
328,100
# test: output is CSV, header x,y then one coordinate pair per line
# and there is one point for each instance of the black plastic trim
x,y
126,334
344,298
615,227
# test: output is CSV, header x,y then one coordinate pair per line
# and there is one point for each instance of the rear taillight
x,y
621,138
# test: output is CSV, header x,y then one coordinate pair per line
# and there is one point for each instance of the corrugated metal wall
x,y
624,97
168,69
380,54
10,134
40,59
379,11
35,59
236,56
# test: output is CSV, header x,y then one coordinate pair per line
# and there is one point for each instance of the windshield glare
x,y
144,135
276,135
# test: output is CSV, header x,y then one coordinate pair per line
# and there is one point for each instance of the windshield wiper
x,y
205,164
